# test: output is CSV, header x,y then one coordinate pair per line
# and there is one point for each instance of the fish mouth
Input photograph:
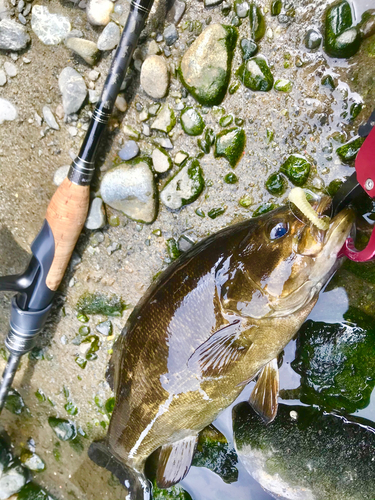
x,y
340,228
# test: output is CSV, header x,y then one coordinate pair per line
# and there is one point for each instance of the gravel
x,y
49,118
73,89
170,34
60,174
3,78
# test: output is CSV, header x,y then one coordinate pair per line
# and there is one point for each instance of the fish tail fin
x,y
135,482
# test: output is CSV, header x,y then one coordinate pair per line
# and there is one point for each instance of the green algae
x,y
231,178
246,201
172,249
33,491
15,403
257,22
276,6
263,209
328,81
32,461
207,141
275,184
214,452
256,75
98,303
334,186
341,39
249,48
215,212
283,85
348,152
355,109
230,144
192,122
64,429
173,493
184,187
226,120
297,169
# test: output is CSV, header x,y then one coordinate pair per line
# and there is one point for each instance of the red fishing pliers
x,y
360,182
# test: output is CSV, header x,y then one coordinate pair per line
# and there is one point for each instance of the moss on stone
x,y
297,169
275,184
98,303
230,144
347,152
191,121
256,75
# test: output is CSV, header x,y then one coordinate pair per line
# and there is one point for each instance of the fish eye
x,y
279,230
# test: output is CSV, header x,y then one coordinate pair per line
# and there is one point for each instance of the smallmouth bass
x,y
215,319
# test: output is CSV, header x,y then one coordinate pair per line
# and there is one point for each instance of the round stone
x,y
99,12
8,112
161,161
313,39
12,481
13,36
84,48
155,76
73,89
96,217
10,69
131,189
129,151
110,37
51,29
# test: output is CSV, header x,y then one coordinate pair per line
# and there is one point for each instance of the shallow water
x,y
296,121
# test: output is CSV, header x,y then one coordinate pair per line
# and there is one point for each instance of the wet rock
x,y
98,303
341,39
13,36
170,34
105,328
99,12
313,39
49,118
129,151
206,65
161,161
96,218
176,12
64,429
73,89
283,85
367,25
130,132
8,112
164,142
32,461
3,78
93,96
84,48
10,69
165,120
191,121
110,37
242,8
60,174
276,184
255,74
257,22
305,454
230,144
297,169
276,6
130,188
184,187
51,29
12,481
249,48
348,152
155,76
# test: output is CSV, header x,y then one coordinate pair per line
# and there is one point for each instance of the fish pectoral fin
x,y
266,391
175,461
224,347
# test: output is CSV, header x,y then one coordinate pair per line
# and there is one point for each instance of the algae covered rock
x,y
257,23
214,453
337,363
32,491
184,187
255,74
165,119
275,184
305,454
230,144
130,188
297,169
98,303
206,65
64,429
191,121
348,151
341,38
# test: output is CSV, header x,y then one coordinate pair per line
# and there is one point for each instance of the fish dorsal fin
x,y
223,348
175,461
266,391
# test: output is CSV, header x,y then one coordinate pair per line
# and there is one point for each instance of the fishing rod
x,y
65,217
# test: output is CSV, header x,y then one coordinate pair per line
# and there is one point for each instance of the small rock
x,y
130,132
131,189
65,430
12,481
74,34
367,27
165,120
184,187
121,103
212,3
93,96
13,36
313,39
60,174
176,12
38,119
5,12
10,69
161,161
3,78
110,37
49,118
249,48
73,131
99,12
283,85
96,218
155,76
105,328
73,89
170,34
84,48
230,144
165,143
255,74
242,8
180,157
191,121
153,48
8,112
206,66
51,29
93,75
146,130
129,151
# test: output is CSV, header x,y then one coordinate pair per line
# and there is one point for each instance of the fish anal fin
x,y
223,348
266,391
175,461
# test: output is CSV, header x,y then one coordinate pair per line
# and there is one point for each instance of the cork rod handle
x,y
66,215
